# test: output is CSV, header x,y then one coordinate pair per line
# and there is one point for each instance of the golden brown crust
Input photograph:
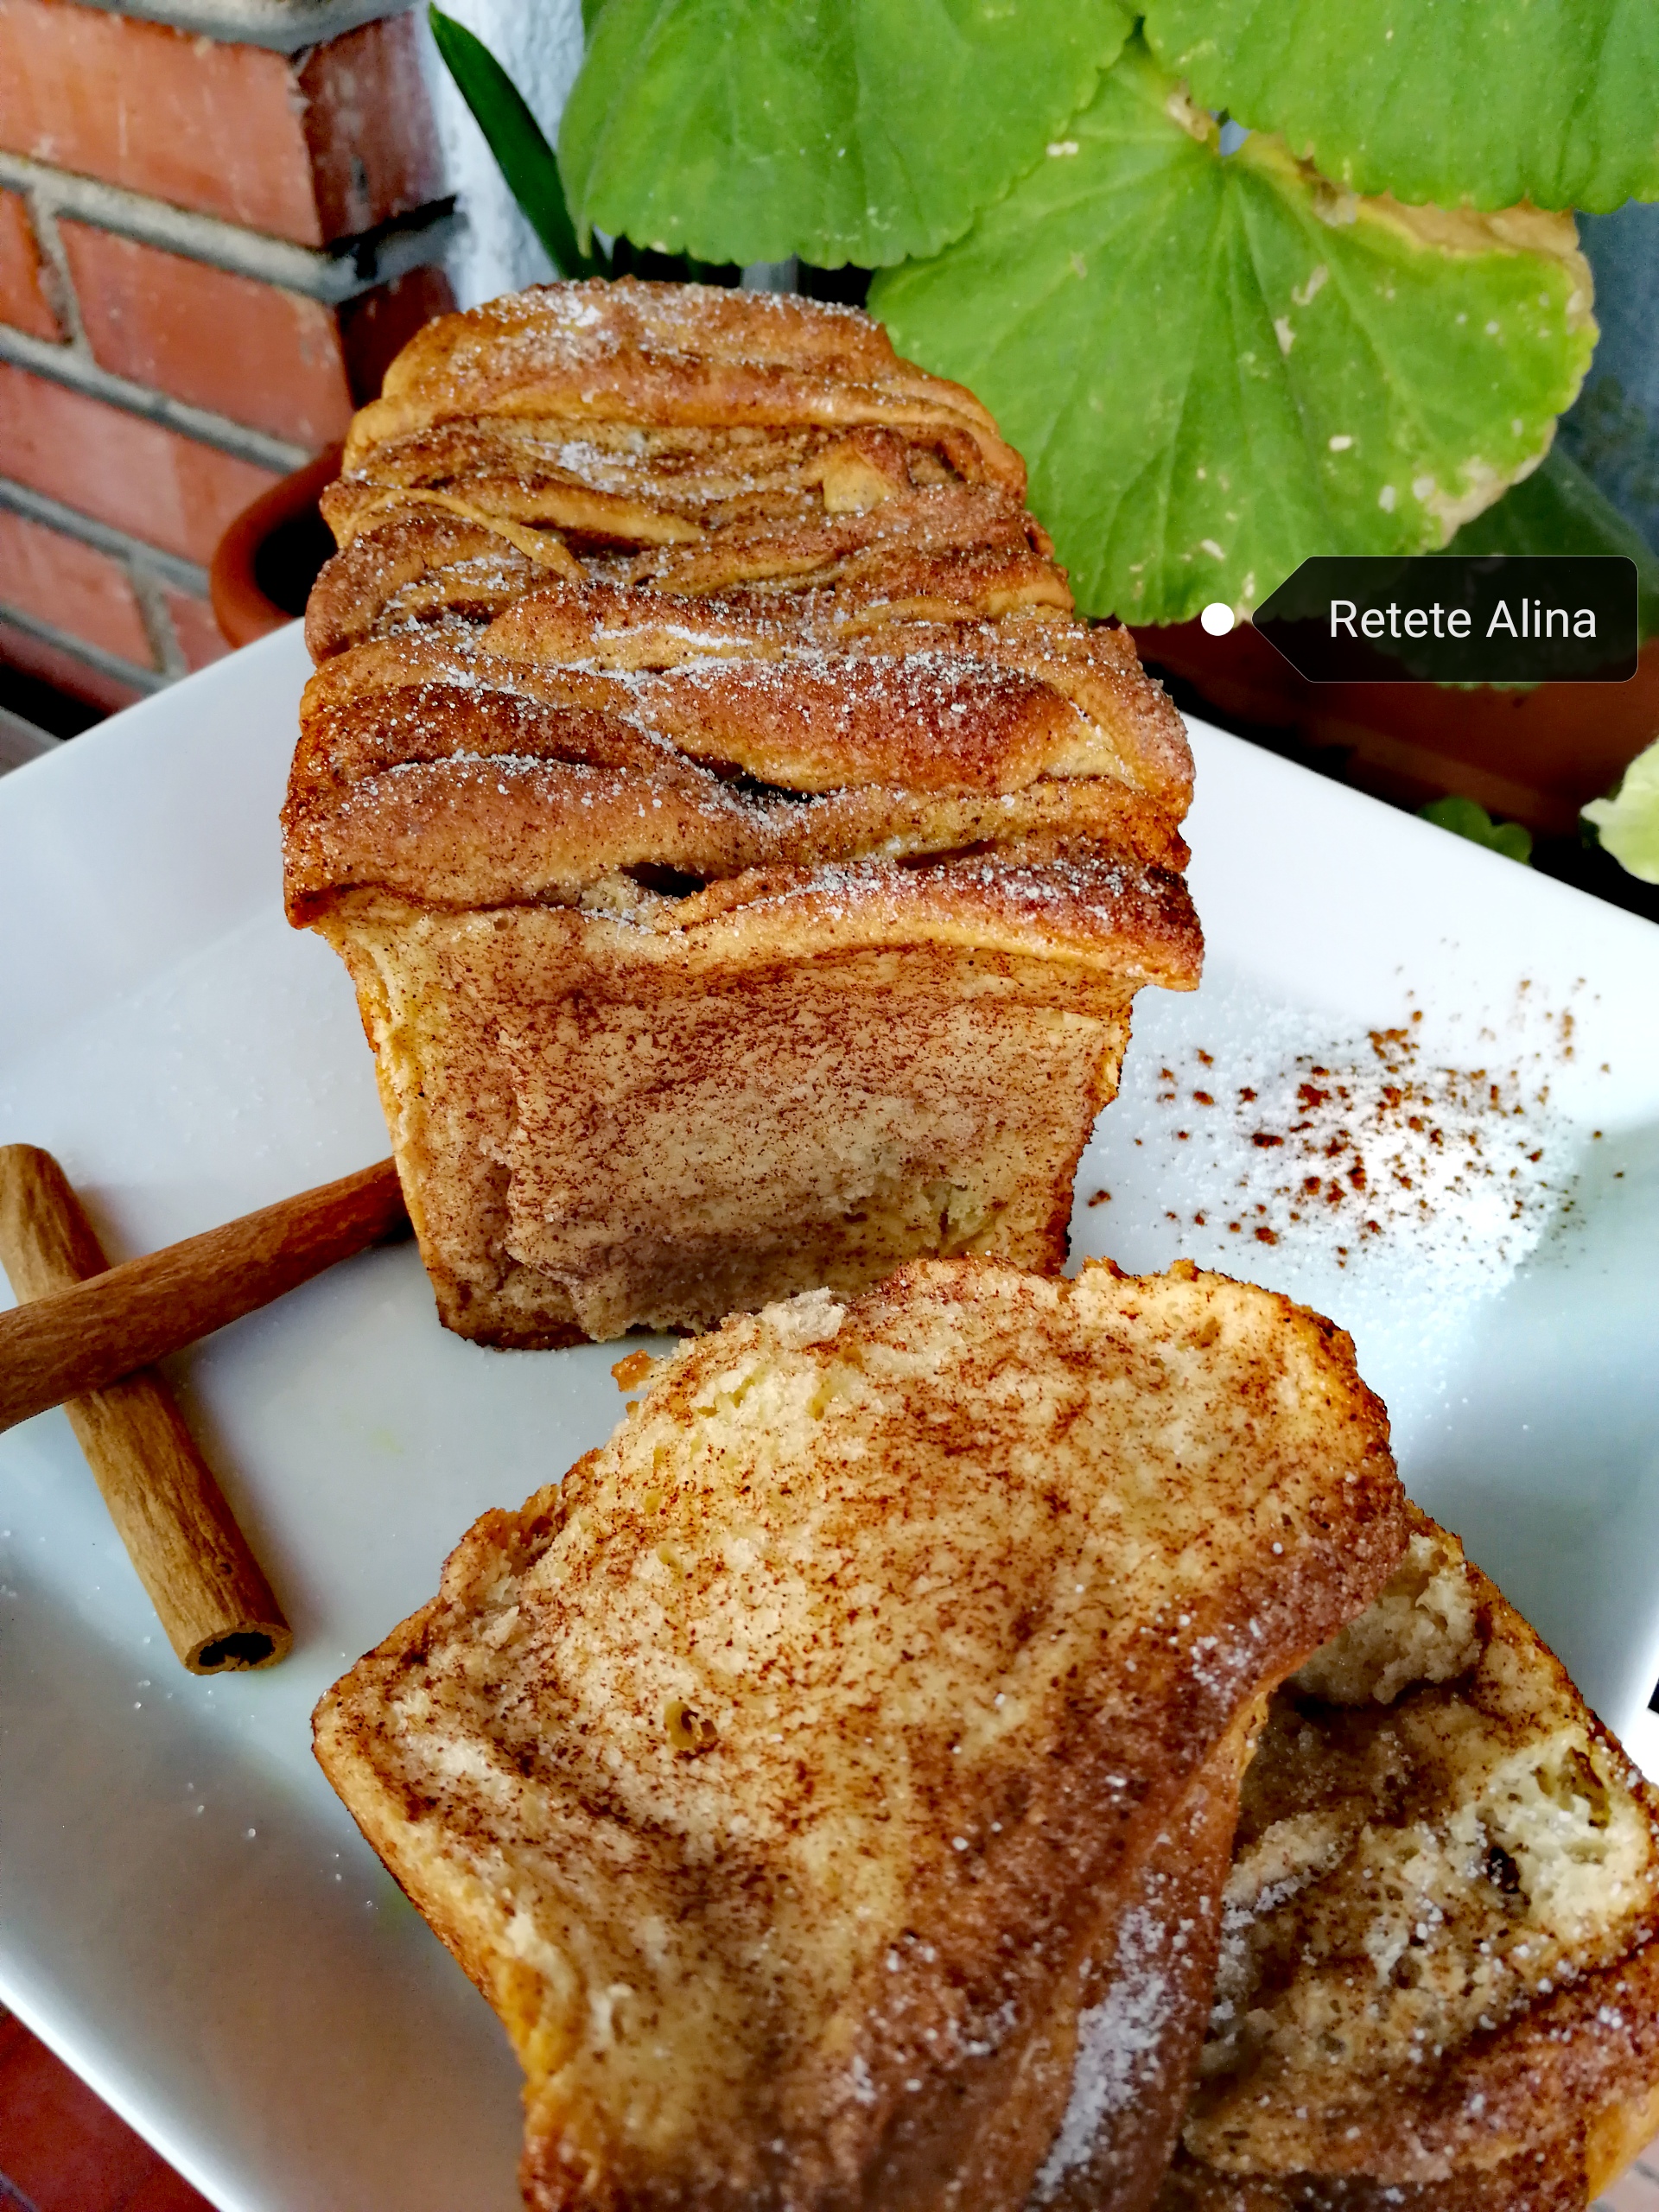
x,y
954,544
506,832
899,739
1127,2062
567,499
419,567
700,644
800,1778
1618,2132
674,355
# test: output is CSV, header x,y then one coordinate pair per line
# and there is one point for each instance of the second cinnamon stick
x,y
71,1340
209,1592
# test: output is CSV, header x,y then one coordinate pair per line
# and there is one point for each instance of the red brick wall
x,y
308,149
368,131
52,576
163,489
216,340
158,370
69,671
24,301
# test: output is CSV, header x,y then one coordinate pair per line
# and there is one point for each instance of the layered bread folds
x,y
745,859
1438,1984
831,1783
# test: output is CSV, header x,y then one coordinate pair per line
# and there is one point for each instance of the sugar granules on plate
x,y
1454,1161
1337,1148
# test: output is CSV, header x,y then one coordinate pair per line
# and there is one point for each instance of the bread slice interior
x,y
1438,1984
831,1782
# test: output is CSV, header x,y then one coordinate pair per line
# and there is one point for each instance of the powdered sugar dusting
x,y
1351,1147
1114,2040
1374,1144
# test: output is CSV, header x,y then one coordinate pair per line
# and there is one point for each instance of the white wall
x,y
538,43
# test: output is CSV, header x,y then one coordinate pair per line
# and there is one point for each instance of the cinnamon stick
x,y
67,1341
209,1592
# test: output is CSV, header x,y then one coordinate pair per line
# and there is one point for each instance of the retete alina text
x,y
1525,618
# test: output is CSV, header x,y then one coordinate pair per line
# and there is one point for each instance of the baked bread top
x,y
1440,1946
676,355
643,588
778,1774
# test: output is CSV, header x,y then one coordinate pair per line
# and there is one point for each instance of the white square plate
x,y
186,1913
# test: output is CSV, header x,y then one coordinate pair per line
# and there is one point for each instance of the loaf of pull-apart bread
x,y
1438,1986
831,1783
745,859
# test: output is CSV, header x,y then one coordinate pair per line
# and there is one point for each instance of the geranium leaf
x,y
1491,101
515,138
1217,367
1464,818
1628,823
842,131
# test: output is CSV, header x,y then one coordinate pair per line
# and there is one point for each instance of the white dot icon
x,y
1217,617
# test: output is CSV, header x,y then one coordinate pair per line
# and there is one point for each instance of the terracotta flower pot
x,y
1533,756
267,561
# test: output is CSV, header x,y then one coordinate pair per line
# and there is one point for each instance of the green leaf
x,y
1217,367
515,138
1628,823
1491,101
842,131
1466,819
1557,509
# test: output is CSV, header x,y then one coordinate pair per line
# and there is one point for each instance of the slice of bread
x,y
1438,1986
831,1782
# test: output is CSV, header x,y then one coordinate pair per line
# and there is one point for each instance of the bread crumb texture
x,y
831,1782
1436,1956
594,1140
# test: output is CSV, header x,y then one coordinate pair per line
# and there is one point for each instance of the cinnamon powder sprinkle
x,y
1377,1146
